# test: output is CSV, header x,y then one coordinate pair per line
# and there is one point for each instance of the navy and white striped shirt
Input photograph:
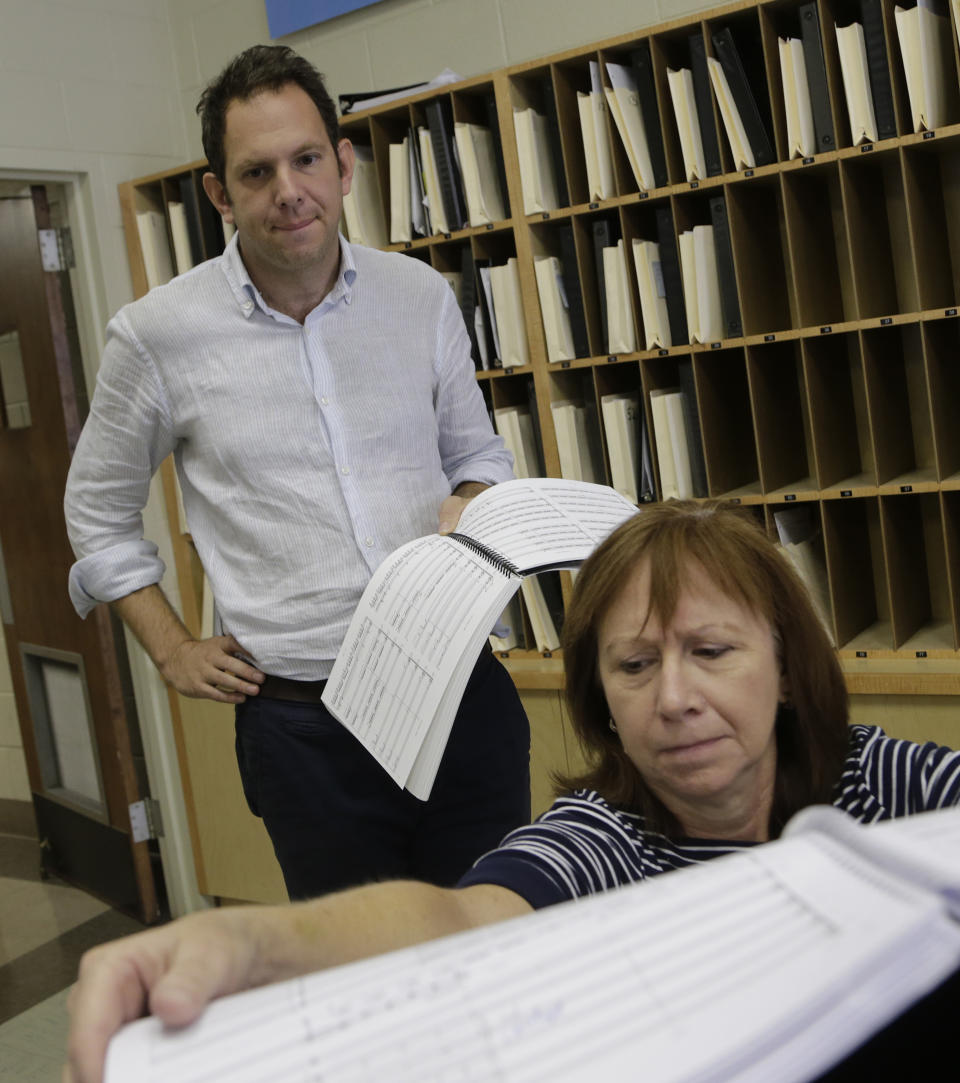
x,y
583,845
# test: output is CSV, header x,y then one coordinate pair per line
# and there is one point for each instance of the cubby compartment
x,y
672,406
562,264
941,339
726,423
516,417
552,99
921,608
624,426
755,211
781,419
798,529
575,415
818,246
879,38
478,107
599,230
899,406
853,542
874,200
926,95
628,72
950,514
800,22
712,313
839,419
932,187
736,42
674,50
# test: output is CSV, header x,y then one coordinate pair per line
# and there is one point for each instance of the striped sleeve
x,y
582,846
907,778
578,847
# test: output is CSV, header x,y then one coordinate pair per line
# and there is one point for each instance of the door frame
x,y
150,691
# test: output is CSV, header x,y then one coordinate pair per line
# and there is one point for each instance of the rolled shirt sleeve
x,y
469,448
126,437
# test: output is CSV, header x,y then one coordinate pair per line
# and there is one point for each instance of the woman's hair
x,y
746,566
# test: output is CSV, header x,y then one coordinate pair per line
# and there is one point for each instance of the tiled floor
x,y
45,926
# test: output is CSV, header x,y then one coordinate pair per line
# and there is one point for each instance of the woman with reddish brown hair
x,y
711,707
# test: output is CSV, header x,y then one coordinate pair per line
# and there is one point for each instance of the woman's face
x,y
695,703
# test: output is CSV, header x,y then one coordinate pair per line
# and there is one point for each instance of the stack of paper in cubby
x,y
362,206
596,137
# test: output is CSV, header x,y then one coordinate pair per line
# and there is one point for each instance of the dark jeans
x,y
337,819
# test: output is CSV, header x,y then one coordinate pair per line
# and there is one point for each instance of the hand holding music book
x,y
770,964
423,618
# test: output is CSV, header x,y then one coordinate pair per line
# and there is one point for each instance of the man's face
x,y
284,188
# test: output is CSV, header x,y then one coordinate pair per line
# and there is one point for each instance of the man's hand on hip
x,y
210,669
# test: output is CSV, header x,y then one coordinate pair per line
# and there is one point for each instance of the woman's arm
x,y
174,971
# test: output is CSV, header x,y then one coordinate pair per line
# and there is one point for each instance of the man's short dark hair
x,y
259,68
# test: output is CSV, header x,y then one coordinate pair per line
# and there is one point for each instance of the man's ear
x,y
347,161
217,195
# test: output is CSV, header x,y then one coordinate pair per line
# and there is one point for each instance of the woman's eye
x,y
635,665
711,653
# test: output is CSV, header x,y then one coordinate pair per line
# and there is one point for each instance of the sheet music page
x,y
543,522
418,615
924,848
769,964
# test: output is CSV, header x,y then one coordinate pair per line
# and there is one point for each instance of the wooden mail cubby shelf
x,y
832,388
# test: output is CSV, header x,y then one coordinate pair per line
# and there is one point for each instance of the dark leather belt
x,y
295,691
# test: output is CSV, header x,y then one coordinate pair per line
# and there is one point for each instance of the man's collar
x,y
248,297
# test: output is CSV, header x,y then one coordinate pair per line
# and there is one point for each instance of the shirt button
x,y
344,470
248,306
324,401
368,542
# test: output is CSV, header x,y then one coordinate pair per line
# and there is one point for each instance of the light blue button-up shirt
x,y
306,452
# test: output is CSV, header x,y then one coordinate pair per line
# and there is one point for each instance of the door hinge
x,y
145,820
56,249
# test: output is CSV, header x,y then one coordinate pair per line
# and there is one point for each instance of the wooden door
x,y
70,679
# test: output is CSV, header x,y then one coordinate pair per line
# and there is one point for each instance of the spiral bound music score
x,y
424,617
770,964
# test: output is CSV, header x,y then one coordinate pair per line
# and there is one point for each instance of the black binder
x,y
647,92
672,278
553,138
573,290
191,210
416,192
486,316
468,301
743,96
703,96
604,236
875,43
816,70
439,114
729,301
211,229
493,123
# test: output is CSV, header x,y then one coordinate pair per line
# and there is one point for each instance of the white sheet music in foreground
x,y
769,964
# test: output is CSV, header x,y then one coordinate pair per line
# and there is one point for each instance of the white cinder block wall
x,y
105,90
397,42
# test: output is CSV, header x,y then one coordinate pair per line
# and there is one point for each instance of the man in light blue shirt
x,y
320,403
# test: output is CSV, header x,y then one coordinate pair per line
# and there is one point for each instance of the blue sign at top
x,y
286,16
